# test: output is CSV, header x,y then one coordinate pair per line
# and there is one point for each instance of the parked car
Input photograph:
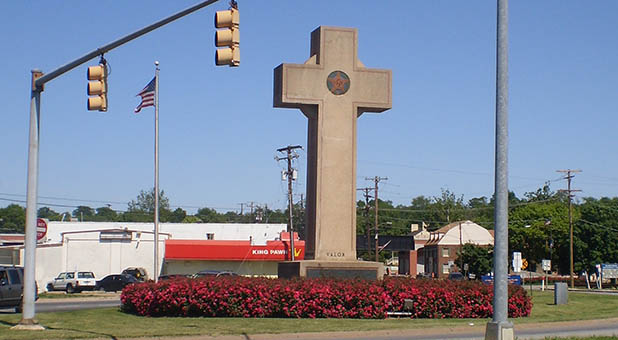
x,y
513,279
173,277
114,282
12,287
137,272
456,276
215,273
73,282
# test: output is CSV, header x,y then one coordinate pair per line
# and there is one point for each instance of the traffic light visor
x,y
97,103
227,18
96,72
96,87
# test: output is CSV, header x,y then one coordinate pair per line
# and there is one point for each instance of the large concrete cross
x,y
333,88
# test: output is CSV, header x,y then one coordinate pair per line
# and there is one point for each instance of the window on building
x,y
446,269
210,236
445,252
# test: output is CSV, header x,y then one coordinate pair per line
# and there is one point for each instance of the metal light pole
x,y
27,318
500,328
38,81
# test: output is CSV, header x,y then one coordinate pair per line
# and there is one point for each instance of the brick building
x,y
441,250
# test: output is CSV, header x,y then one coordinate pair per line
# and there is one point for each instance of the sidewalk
x,y
473,331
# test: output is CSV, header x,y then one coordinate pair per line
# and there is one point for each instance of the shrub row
x,y
316,298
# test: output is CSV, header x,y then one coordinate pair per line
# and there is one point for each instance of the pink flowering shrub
x,y
316,298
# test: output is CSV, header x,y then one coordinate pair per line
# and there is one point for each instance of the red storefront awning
x,y
232,250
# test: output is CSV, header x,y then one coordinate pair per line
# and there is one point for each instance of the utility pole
x,y
376,180
290,176
569,193
366,213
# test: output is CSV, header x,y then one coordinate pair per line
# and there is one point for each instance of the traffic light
x,y
227,37
97,87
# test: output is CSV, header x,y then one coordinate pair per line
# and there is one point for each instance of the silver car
x,y
73,282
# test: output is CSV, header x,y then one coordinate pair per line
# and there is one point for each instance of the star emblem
x,y
338,82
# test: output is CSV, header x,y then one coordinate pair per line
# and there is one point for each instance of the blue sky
x,y
219,130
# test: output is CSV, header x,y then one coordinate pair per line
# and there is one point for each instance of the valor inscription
x,y
335,254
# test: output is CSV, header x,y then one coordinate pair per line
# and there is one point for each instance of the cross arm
x,y
293,85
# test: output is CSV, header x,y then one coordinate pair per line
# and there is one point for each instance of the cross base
x,y
331,269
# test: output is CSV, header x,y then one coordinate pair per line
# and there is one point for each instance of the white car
x,y
73,282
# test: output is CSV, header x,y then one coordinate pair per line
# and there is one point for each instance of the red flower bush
x,y
316,298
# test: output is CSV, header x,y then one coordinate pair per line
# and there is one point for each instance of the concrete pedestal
x,y
331,269
496,330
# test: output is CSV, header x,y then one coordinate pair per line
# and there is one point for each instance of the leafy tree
x,y
447,208
145,202
596,233
478,258
84,213
208,215
177,216
12,219
106,214
142,209
540,229
191,219
45,212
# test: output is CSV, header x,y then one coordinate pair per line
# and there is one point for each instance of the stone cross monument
x,y
333,88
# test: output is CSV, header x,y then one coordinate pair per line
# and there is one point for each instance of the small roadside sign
x,y
41,228
546,265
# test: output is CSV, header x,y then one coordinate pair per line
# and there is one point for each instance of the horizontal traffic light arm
x,y
101,50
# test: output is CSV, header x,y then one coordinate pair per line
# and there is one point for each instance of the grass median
x,y
111,323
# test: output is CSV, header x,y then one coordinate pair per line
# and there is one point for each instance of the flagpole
x,y
156,176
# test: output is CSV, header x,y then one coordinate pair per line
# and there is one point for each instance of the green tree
x,y
177,216
208,215
83,213
106,214
447,208
191,219
145,202
45,212
12,219
142,208
596,233
479,259
539,229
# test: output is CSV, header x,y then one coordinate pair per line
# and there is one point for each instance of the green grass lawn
x,y
111,323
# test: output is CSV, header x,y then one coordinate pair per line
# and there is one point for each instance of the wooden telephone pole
x,y
366,213
569,192
290,177
376,180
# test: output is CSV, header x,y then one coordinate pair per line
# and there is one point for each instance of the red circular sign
x,y
41,228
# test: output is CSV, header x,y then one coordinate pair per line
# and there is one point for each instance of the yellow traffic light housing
x,y
97,87
228,37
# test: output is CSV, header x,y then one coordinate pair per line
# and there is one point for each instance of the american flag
x,y
147,94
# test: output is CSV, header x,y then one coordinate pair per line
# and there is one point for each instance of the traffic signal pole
x,y
38,81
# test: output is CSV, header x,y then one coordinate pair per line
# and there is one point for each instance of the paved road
x,y
74,303
60,305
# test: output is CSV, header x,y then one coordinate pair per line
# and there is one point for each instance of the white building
x,y
109,247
